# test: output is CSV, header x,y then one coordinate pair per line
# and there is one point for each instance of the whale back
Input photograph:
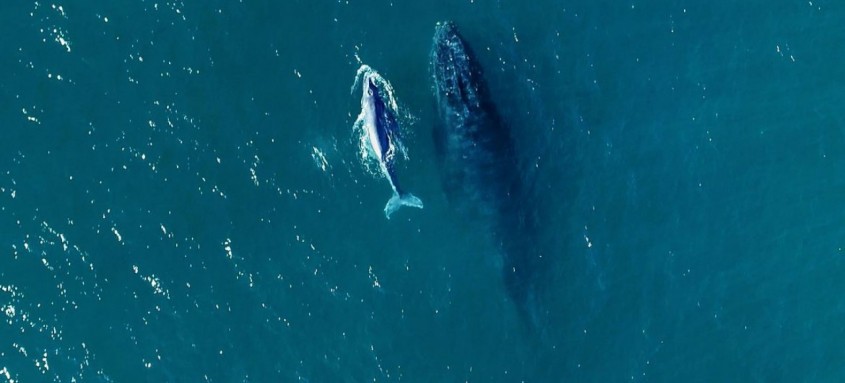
x,y
478,159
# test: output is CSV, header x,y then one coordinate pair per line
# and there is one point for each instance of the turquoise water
x,y
182,196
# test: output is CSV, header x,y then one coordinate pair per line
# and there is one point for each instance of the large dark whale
x,y
479,162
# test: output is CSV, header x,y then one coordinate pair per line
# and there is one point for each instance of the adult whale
x,y
479,163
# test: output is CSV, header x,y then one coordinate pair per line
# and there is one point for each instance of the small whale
x,y
380,124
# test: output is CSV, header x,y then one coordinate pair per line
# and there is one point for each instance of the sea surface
x,y
183,198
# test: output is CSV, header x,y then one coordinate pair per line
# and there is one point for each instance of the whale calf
x,y
479,162
379,123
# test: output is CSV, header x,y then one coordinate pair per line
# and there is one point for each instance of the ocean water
x,y
182,196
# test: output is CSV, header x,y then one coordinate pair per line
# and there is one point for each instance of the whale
x,y
479,163
380,126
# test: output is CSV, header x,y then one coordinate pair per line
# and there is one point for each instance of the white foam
x,y
319,157
117,234
227,245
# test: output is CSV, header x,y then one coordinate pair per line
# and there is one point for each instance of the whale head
x,y
457,78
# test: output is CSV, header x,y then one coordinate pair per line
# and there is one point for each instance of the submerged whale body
x,y
380,126
477,147
481,176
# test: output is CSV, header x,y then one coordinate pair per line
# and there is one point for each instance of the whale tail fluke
x,y
398,200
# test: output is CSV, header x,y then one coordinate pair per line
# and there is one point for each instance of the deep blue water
x,y
182,196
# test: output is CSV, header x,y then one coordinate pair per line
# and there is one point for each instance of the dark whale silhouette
x,y
479,163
